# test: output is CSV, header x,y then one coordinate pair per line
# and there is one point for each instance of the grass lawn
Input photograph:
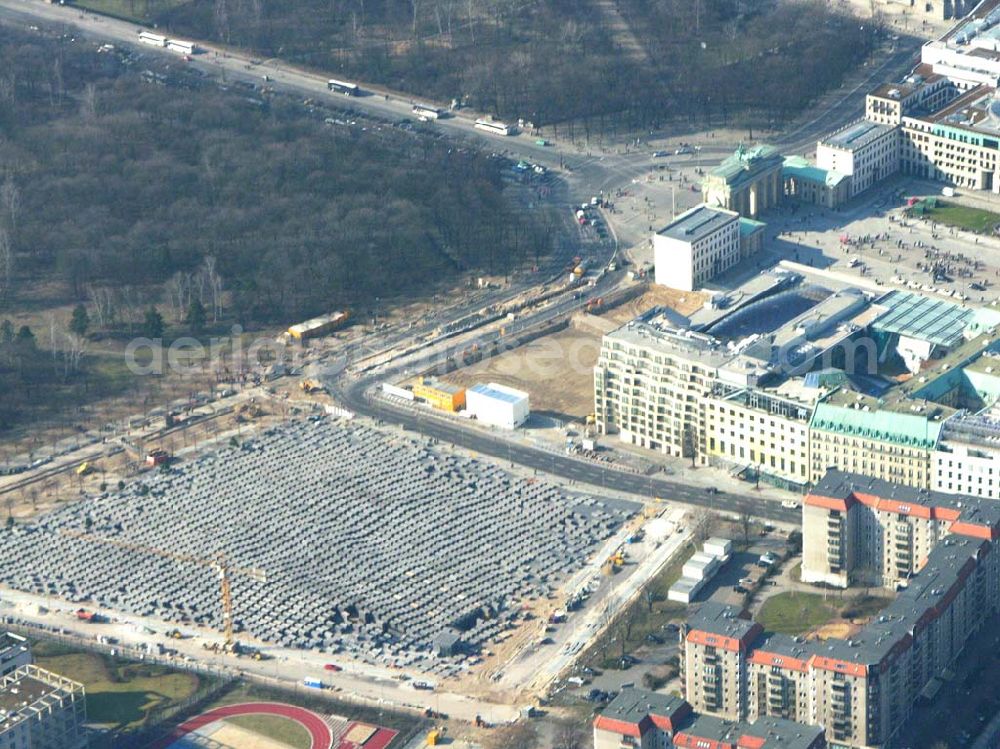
x,y
286,731
864,606
962,217
118,694
794,613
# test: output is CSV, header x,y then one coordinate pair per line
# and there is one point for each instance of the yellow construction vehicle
x,y
310,387
85,469
174,634
613,563
219,564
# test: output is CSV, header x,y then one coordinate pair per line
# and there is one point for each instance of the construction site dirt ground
x,y
684,302
556,370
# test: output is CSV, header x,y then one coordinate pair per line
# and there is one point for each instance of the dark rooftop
x,y
697,223
632,705
841,485
856,135
945,567
719,619
777,733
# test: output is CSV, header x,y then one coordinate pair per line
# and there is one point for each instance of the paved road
x,y
849,105
595,620
286,667
596,475
590,171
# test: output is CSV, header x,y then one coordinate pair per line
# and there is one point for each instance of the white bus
x,y
343,87
148,37
497,128
428,112
186,48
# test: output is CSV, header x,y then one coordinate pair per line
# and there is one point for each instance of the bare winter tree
x,y
256,18
6,265
177,291
222,25
104,305
88,104
701,525
76,347
415,7
521,735
8,90
54,334
215,286
625,623
568,735
132,303
449,12
58,82
10,203
746,521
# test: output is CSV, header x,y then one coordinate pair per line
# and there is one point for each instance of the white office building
x,y
967,458
498,405
696,246
867,151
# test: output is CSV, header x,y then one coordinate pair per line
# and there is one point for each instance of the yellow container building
x,y
439,394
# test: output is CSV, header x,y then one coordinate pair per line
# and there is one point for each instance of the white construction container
x,y
389,389
498,405
720,547
700,567
684,590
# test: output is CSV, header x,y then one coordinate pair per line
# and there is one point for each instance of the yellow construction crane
x,y
220,564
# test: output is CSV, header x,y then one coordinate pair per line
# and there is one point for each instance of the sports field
x,y
262,725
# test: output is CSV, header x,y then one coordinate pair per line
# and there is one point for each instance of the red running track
x,y
320,732
379,740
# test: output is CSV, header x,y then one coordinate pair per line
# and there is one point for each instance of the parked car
x,y
767,560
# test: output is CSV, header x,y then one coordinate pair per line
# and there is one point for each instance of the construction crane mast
x,y
220,564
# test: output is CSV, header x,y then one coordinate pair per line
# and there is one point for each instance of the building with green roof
x,y
747,182
886,439
808,183
751,237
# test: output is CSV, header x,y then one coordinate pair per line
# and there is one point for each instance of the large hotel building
x,y
698,393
